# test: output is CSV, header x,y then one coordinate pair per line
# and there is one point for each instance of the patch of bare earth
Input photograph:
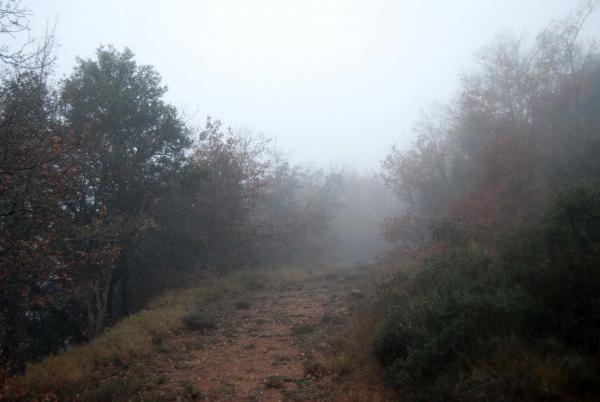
x,y
263,348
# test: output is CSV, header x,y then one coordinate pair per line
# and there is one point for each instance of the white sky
x,y
334,82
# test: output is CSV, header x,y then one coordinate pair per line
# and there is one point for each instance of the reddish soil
x,y
261,351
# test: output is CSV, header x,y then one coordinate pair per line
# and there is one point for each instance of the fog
x,y
309,201
334,82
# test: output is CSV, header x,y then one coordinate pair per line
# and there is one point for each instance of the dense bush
x,y
570,276
455,308
501,230
459,309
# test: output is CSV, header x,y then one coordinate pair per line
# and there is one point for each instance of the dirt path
x,y
262,348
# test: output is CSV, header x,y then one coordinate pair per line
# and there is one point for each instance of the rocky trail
x,y
256,345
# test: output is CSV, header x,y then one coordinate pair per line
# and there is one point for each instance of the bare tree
x,y
14,19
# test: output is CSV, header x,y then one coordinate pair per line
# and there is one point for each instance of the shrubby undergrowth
x,y
497,289
539,290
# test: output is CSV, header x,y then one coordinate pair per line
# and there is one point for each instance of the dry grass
x,y
135,336
131,338
353,363
520,368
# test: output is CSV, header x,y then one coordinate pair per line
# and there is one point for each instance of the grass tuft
x,y
275,381
198,321
242,305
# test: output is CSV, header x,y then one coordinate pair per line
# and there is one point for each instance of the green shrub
x,y
456,307
570,230
275,381
540,285
191,389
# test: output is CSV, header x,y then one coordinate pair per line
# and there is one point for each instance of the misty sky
x,y
335,82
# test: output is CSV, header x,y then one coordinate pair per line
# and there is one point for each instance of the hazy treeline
x,y
364,203
498,291
108,197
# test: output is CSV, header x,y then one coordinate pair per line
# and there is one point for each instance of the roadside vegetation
x,y
493,286
82,368
124,229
